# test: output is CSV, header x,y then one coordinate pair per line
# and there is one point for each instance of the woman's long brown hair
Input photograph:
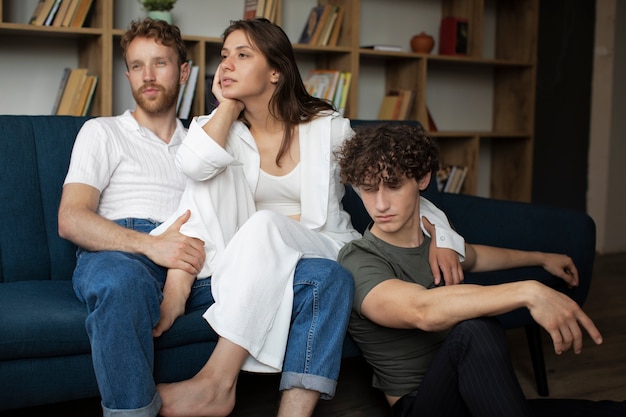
x,y
290,103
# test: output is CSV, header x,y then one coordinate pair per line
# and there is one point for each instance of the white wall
x,y
606,197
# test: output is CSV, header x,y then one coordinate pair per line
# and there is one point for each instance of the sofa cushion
x,y
41,318
44,319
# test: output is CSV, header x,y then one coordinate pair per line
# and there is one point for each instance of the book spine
x,y
52,14
57,101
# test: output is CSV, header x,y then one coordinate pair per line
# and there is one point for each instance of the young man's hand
x,y
562,318
561,266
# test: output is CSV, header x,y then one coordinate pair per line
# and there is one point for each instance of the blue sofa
x,y
44,349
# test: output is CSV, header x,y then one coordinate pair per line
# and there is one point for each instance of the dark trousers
x,y
471,375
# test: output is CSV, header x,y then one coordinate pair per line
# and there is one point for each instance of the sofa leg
x,y
533,336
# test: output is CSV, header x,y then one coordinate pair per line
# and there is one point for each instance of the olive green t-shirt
x,y
399,357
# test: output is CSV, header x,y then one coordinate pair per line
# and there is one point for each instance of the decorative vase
x,y
165,15
422,43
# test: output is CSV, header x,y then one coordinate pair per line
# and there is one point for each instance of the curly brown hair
x,y
160,31
387,152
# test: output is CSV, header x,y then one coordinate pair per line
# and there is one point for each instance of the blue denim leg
x,y
123,293
323,293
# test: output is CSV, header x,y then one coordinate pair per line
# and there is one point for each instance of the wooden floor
x,y
598,373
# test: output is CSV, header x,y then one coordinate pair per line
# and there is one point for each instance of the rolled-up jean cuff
x,y
150,410
326,387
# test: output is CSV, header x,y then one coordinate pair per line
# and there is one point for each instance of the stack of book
x,y
269,9
330,85
61,13
187,93
75,93
323,26
450,178
396,105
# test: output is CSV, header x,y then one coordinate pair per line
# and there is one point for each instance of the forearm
x,y
490,258
446,306
92,232
219,125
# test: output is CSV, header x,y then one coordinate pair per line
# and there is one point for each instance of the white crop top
x,y
279,193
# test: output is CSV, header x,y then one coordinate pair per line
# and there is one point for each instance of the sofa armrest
x,y
526,226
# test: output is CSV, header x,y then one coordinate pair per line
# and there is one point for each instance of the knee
x,y
115,276
486,331
264,219
327,274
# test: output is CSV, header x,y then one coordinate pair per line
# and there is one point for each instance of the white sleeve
x,y
444,235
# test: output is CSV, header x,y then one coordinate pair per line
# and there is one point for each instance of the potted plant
x,y
159,9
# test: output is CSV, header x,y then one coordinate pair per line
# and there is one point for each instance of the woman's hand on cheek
x,y
216,88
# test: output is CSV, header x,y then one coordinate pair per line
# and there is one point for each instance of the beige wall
x,y
606,197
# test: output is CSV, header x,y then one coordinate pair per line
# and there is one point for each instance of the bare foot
x,y
196,397
171,309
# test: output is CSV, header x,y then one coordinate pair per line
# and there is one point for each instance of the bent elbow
x,y
63,228
430,322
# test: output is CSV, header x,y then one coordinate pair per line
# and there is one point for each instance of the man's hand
x,y
174,250
561,266
562,318
443,261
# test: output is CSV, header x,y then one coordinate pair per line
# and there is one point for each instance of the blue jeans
x,y
123,293
322,300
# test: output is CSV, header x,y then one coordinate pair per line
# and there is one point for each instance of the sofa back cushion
x,y
34,156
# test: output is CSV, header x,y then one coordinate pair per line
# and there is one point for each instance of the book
x,y
448,185
450,178
320,24
344,94
52,14
381,47
328,27
82,10
36,12
71,91
406,105
461,180
253,8
64,77
334,36
339,90
190,88
81,106
322,83
69,14
92,92
58,18
432,127
311,25
43,12
270,10
389,106
453,33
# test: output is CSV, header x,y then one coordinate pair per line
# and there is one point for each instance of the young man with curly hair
x,y
435,349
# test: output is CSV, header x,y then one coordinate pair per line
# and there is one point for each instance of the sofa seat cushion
x,y
45,319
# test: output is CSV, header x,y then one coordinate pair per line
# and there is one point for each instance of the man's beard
x,y
159,104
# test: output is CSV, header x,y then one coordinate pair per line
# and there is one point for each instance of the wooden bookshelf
x,y
509,139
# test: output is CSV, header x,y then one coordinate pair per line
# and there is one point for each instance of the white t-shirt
x,y
133,169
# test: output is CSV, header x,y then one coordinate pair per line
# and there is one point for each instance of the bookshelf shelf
x,y
488,93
